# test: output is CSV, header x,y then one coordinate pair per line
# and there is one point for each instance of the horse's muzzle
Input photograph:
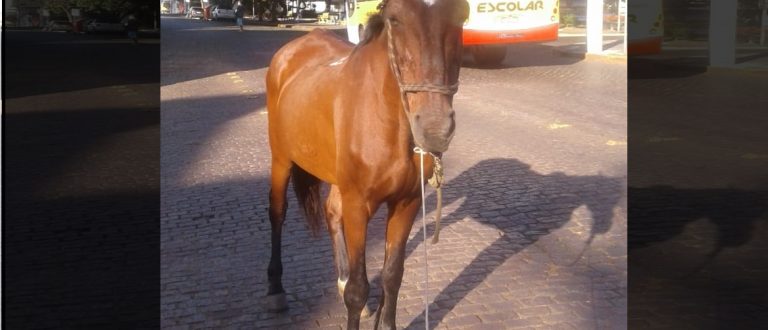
x,y
433,133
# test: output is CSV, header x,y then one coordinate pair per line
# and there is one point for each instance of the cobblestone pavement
x,y
534,232
81,181
698,196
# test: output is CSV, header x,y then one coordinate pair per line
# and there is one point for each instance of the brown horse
x,y
351,117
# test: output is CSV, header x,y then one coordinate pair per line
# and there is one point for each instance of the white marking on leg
x,y
429,2
341,285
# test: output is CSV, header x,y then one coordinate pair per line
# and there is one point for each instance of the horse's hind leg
x,y
281,172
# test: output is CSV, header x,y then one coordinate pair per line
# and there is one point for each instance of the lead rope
x,y
435,181
424,230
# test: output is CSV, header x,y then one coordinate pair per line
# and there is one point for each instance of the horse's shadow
x,y
660,214
524,206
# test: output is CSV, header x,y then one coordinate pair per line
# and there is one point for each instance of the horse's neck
x,y
378,70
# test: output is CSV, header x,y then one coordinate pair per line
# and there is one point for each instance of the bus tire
x,y
488,55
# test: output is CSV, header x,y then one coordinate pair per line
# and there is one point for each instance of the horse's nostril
x,y
417,117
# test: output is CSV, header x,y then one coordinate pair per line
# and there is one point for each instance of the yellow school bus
x,y
490,28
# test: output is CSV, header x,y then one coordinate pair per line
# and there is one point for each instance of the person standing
x,y
132,28
239,13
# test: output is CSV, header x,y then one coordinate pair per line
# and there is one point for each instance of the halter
x,y
410,88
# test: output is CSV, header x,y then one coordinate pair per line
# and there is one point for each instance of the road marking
x,y
237,81
616,143
557,125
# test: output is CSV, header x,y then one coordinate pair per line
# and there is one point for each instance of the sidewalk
x,y
689,53
576,46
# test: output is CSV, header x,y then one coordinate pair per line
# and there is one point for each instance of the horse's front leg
x,y
333,213
356,213
399,222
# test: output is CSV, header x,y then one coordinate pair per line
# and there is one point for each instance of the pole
x,y
722,33
594,26
618,16
764,23
626,10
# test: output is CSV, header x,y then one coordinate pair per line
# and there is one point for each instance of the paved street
x,y
698,195
534,228
81,131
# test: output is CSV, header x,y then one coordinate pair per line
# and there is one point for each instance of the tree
x,y
101,7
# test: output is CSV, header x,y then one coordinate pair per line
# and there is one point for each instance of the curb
x,y
605,57
736,69
308,27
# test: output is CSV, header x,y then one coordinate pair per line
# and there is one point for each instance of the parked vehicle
x,y
195,12
104,25
222,12
64,26
490,28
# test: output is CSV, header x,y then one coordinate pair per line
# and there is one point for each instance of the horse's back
x,y
305,54
301,88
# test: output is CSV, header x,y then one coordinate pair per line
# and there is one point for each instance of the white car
x,y
195,12
222,12
101,25
59,26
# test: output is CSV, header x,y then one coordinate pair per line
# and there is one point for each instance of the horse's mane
x,y
373,28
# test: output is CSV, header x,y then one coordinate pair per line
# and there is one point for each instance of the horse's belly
x,y
308,129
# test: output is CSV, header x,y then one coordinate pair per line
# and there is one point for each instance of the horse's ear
x,y
462,12
373,28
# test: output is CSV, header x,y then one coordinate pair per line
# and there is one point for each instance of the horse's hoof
x,y
276,302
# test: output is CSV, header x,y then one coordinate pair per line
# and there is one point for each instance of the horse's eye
x,y
393,21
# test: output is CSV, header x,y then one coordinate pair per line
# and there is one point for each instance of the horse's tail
x,y
307,188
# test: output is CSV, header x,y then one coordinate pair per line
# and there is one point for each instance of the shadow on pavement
x,y
671,64
206,116
44,63
80,210
661,213
526,207
697,256
524,55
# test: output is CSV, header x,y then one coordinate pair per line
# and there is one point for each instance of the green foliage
x,y
568,19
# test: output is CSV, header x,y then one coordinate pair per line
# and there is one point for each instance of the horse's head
x,y
424,47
